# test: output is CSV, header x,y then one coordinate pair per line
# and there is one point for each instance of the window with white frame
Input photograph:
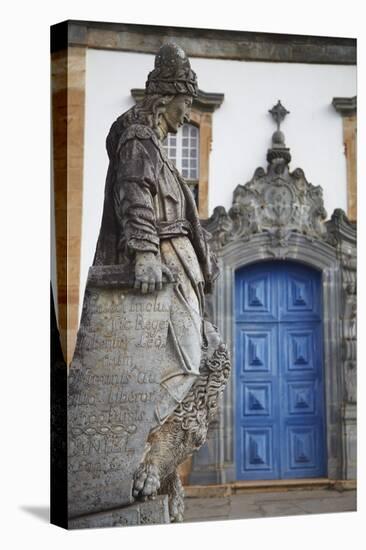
x,y
182,149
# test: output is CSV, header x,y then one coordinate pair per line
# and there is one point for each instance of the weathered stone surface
x,y
150,512
269,504
114,383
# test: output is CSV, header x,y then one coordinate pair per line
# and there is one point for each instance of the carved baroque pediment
x,y
275,201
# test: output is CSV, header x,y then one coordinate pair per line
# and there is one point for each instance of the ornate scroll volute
x,y
220,225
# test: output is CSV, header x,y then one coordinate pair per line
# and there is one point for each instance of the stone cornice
x,y
210,43
345,106
205,101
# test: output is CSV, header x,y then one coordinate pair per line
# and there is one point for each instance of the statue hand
x,y
149,272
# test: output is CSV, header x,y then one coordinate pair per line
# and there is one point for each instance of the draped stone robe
x,y
148,207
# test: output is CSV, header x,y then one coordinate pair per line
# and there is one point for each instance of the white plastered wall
x,y
242,127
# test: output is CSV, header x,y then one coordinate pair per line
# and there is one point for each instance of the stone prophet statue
x,y
150,225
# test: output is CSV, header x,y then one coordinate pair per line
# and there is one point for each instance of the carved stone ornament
x,y
275,201
342,234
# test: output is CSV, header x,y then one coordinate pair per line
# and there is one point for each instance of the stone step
x,y
238,487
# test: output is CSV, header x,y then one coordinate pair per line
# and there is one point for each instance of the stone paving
x,y
254,504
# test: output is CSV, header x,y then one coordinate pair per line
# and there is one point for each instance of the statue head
x,y
171,86
172,74
169,91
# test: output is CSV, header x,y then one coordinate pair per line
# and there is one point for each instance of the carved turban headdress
x,y
172,74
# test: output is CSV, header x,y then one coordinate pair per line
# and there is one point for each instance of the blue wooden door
x,y
280,429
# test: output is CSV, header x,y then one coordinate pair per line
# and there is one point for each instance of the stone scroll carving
x,y
114,386
114,392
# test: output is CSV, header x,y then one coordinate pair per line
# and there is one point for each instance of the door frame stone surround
x,y
279,215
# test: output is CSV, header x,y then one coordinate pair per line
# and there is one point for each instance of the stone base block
x,y
149,512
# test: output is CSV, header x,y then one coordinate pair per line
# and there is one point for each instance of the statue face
x,y
177,112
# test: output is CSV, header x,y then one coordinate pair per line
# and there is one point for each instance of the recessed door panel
x,y
300,294
303,452
256,297
255,349
257,399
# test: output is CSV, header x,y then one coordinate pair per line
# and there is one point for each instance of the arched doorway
x,y
279,372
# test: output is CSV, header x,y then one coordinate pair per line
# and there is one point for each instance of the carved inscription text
x,y
114,383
